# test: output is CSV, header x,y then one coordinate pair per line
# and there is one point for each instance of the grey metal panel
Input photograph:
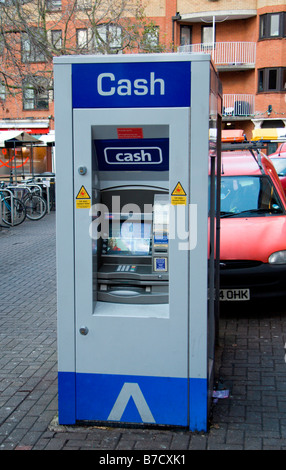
x,y
64,219
161,341
166,57
199,152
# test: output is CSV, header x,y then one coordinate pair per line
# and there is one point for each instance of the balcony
x,y
227,55
238,106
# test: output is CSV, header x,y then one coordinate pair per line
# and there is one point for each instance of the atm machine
x,y
135,243
132,249
133,257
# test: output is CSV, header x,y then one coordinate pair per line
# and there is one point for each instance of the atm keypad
x,y
126,268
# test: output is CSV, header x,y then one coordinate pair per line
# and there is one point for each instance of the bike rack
x,y
24,186
12,211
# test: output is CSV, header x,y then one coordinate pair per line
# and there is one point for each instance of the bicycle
x,y
13,211
35,204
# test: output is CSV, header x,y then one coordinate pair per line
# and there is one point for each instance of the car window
x,y
251,195
280,165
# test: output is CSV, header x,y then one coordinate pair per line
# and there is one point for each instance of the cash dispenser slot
x,y
134,257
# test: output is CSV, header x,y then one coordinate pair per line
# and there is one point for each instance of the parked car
x,y
253,227
279,161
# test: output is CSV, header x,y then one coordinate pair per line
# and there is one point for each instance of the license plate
x,y
234,294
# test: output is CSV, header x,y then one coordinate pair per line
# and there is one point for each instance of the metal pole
x,y
32,160
213,32
15,161
1,201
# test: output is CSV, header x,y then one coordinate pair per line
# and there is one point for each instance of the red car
x,y
253,227
279,161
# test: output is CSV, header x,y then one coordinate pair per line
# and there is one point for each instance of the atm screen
x,y
129,238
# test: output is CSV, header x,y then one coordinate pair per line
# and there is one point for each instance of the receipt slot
x,y
135,240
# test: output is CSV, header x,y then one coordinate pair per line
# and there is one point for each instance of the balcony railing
x,y
238,105
237,54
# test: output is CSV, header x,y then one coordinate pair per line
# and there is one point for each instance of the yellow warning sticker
x,y
177,200
179,195
83,194
178,191
83,199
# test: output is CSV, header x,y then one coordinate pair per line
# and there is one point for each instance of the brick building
x,y
246,40
248,46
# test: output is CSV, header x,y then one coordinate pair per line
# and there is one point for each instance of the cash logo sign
x,y
108,85
131,84
134,155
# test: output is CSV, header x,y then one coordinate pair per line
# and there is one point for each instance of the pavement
x,y
250,365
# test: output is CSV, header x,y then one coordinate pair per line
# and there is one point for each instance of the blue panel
x,y
198,404
133,399
132,154
66,397
131,85
155,400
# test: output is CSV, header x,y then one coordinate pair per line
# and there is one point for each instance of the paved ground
x,y
252,367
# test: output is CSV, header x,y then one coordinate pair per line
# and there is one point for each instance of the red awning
x,y
35,130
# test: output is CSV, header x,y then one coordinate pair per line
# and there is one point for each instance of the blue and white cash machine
x,y
135,238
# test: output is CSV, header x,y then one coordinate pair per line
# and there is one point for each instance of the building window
x,y
31,52
35,94
272,79
207,35
52,5
83,4
151,38
2,92
272,25
81,39
56,36
108,36
185,35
